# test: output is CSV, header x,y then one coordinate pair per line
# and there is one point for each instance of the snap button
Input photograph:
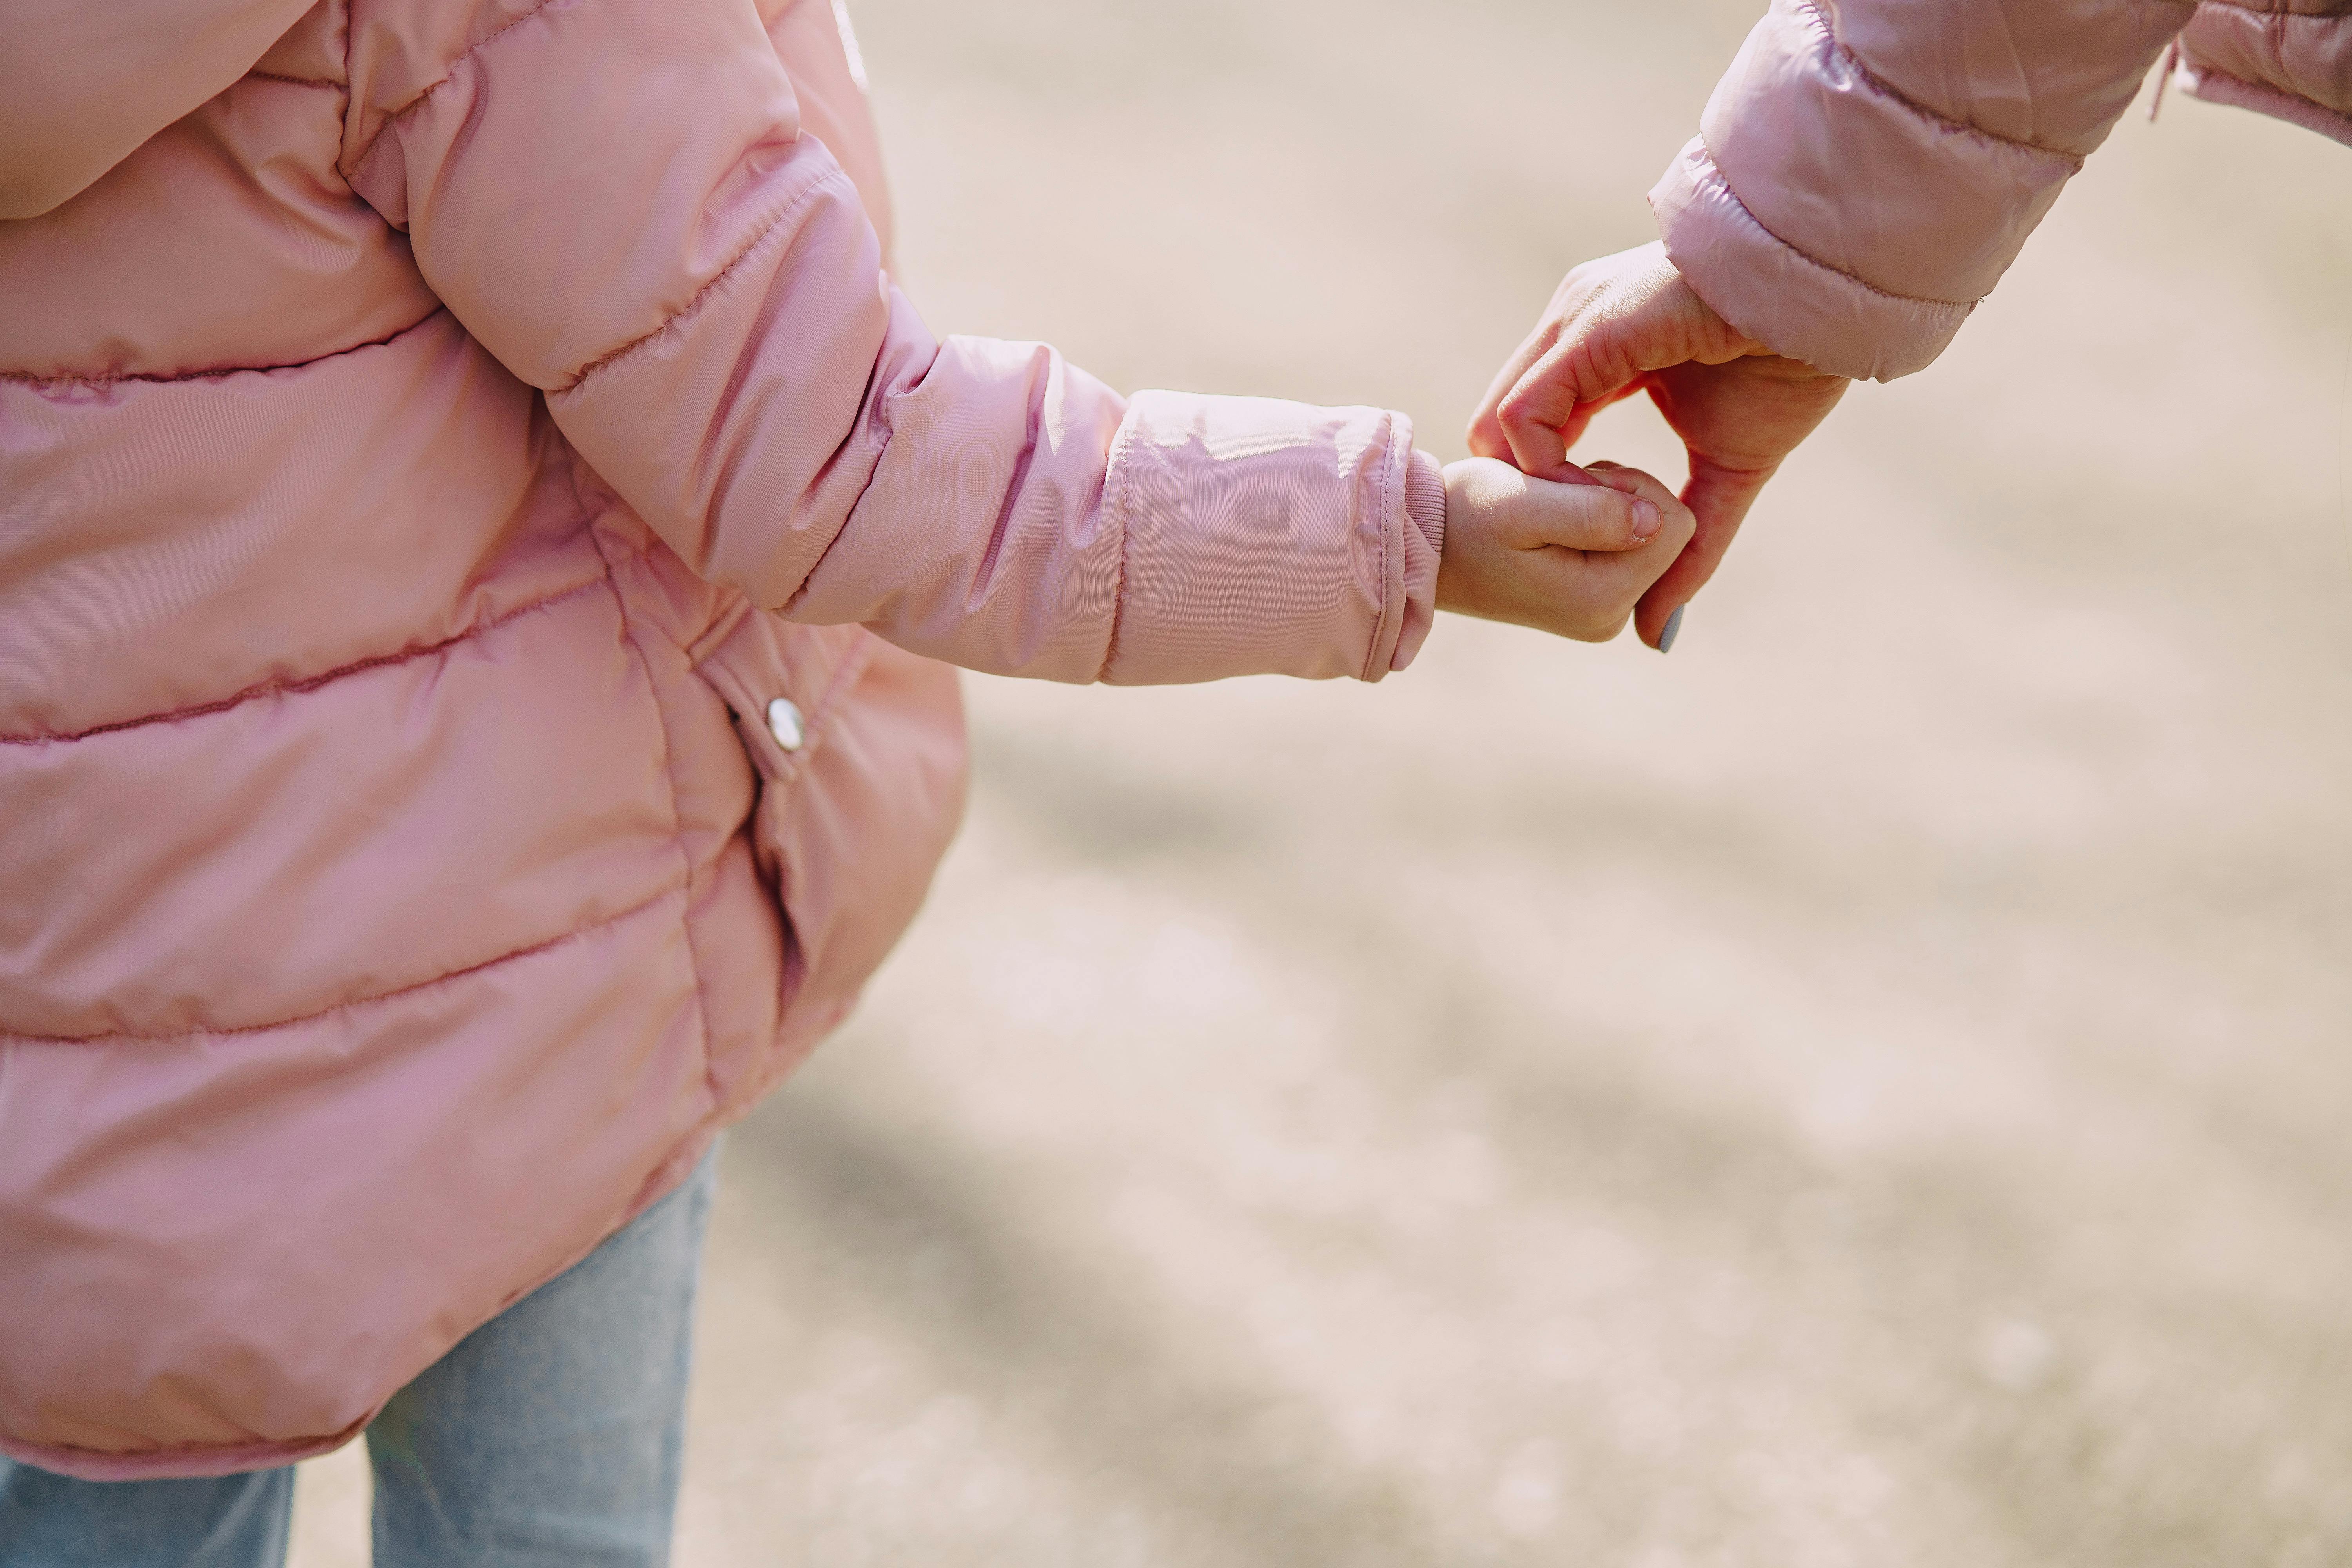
x,y
784,722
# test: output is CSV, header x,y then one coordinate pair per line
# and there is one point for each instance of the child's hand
x,y
1565,558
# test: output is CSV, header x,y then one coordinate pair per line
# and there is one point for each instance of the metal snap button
x,y
785,723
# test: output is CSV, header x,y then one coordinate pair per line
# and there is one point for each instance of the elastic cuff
x,y
1424,497
2220,87
1785,300
1424,542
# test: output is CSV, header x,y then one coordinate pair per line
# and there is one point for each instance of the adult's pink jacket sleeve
x,y
614,198
1868,169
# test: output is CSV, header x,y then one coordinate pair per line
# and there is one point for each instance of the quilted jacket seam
x,y
634,636
1122,457
1724,183
313,682
2336,13
1896,94
572,382
448,72
1372,670
30,378
2215,85
297,80
534,950
263,1452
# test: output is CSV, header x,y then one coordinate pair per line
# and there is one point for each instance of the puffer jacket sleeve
x,y
136,67
1868,169
614,198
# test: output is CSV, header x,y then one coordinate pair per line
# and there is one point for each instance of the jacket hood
x,y
84,82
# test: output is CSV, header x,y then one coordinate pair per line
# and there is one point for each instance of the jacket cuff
x,y
2232,56
1425,546
1785,300
1256,536
1424,499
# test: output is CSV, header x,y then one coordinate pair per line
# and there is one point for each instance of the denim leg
x,y
552,1436
224,1521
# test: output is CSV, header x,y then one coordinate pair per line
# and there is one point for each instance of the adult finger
x,y
1586,370
1534,415
1542,378
1720,499
1487,437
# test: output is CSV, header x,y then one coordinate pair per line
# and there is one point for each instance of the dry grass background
x,y
1871,1088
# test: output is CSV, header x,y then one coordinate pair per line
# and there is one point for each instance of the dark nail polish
x,y
1671,630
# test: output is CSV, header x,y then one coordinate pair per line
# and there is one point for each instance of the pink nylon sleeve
x,y
702,298
1866,171
2293,63
136,65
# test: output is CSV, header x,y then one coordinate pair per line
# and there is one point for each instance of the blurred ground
x,y
1868,1090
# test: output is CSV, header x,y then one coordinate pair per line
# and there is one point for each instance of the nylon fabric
x,y
1868,170
428,450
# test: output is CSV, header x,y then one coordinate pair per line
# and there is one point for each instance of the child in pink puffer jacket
x,y
476,528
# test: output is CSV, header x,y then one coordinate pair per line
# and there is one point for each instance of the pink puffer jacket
x,y
1868,169
471,507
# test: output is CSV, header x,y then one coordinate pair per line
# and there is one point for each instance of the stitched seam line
x,y
1724,185
213,1450
2262,98
2335,13
406,110
1381,618
574,934
30,378
297,80
722,627
845,674
1122,458
629,634
309,682
1888,91
741,256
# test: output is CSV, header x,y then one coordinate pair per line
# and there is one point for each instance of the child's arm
x,y
613,197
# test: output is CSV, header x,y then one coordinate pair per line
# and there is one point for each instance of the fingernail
x,y
1648,518
1671,630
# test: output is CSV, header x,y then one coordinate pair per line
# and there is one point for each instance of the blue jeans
x,y
549,1437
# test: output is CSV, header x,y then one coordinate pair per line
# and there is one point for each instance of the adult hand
x,y
1629,324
